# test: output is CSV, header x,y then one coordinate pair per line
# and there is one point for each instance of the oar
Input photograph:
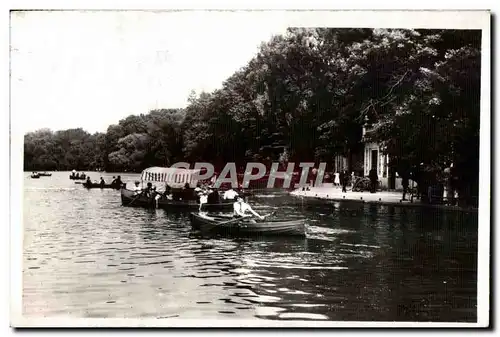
x,y
233,220
239,219
270,214
138,195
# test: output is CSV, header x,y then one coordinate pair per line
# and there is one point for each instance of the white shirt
x,y
136,189
241,208
230,194
203,199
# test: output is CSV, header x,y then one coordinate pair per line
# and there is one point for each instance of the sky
x,y
91,69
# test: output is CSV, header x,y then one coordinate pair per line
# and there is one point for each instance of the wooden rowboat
x,y
77,178
45,174
247,226
129,198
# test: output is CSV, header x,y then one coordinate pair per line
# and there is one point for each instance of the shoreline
x,y
379,198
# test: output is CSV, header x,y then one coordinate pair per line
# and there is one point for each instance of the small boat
x,y
98,185
35,176
247,226
72,177
129,198
45,174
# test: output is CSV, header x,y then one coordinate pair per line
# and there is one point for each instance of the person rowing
x,y
118,182
241,208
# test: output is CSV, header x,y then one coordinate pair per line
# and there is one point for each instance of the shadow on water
x,y
87,256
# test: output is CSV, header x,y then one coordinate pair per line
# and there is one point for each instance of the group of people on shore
x,y
344,179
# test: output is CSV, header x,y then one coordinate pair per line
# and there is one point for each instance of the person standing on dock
x,y
373,180
337,180
405,182
344,178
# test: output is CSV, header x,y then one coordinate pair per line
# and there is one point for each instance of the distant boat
x,y
98,185
74,177
45,174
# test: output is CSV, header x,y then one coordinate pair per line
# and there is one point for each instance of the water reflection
x,y
87,256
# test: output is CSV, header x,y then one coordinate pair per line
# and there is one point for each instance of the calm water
x,y
87,256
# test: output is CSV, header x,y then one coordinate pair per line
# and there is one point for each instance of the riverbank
x,y
381,197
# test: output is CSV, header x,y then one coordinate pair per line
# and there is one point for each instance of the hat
x,y
137,181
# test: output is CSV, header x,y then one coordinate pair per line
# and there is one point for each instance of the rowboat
x,y
45,174
98,185
77,178
247,226
129,198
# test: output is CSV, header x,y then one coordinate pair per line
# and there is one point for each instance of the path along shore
x,y
380,197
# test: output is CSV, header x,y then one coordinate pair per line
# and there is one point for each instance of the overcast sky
x,y
90,69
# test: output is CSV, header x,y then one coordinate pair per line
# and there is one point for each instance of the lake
x,y
87,256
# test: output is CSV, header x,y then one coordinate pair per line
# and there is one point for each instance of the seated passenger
x,y
168,190
213,196
203,200
149,190
230,194
136,188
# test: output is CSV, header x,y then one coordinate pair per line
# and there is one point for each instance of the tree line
x,y
305,96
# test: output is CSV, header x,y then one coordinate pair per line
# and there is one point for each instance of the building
x,y
374,158
371,157
339,163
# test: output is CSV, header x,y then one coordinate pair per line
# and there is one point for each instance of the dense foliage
x,y
305,96
134,143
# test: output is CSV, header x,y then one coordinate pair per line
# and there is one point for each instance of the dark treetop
x,y
305,96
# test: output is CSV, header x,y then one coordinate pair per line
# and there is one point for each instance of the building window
x,y
374,161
